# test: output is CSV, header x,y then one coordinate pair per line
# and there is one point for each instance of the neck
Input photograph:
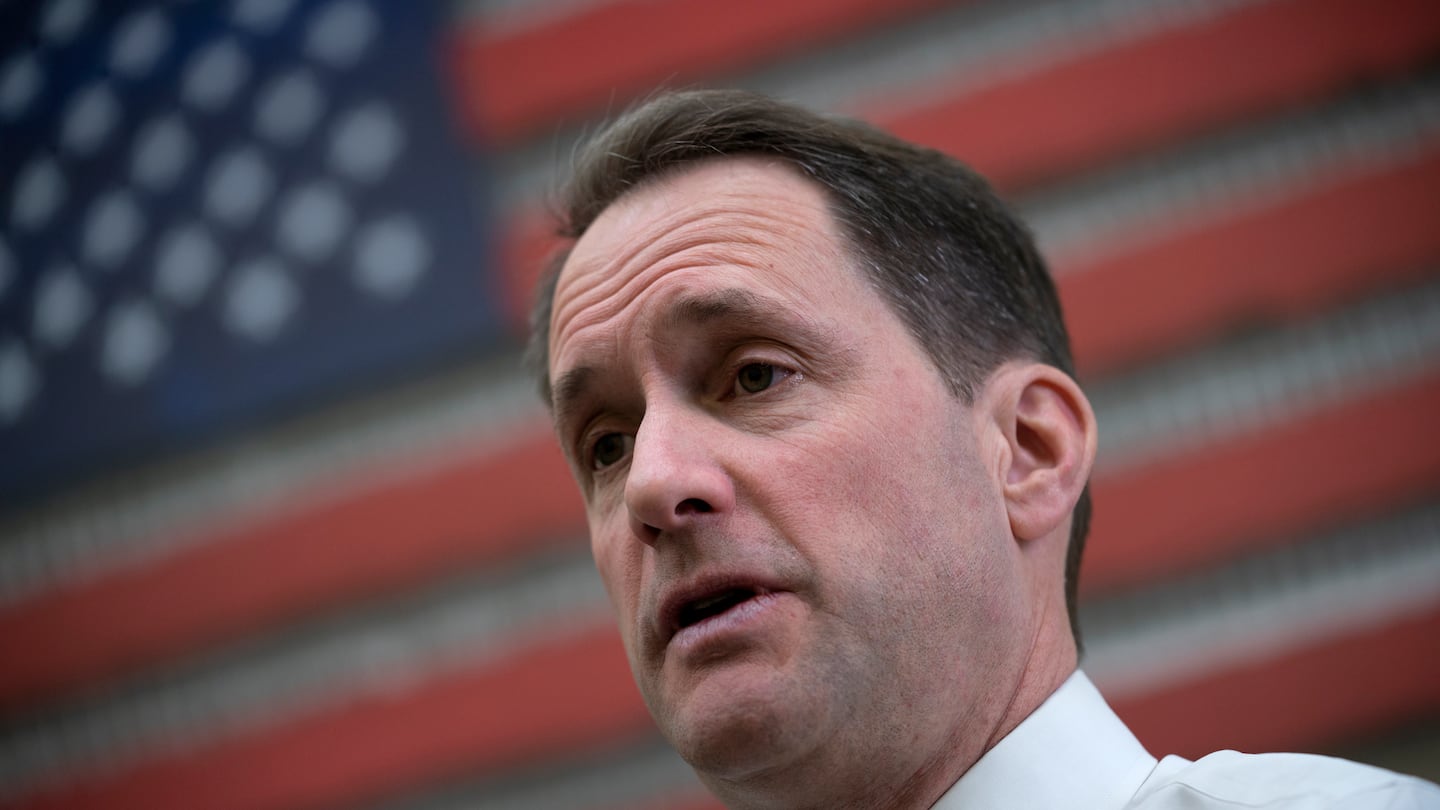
x,y
1051,659
1052,656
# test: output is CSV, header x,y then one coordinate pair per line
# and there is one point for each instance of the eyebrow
x,y
568,390
740,310
738,307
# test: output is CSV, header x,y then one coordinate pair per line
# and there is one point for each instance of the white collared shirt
x,y
1074,752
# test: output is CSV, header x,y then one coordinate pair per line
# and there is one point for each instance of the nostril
x,y
645,532
691,506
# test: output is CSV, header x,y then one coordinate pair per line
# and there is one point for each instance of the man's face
x,y
799,527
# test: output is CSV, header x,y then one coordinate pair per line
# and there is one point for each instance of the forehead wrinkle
x,y
663,213
682,235
647,219
596,290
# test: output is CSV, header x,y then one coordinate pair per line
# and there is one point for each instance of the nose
x,y
676,475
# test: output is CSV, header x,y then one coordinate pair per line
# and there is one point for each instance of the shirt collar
x,y
1073,751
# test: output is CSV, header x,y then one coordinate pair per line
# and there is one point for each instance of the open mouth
x,y
698,610
717,603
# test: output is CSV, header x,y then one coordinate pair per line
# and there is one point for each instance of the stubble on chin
x,y
734,727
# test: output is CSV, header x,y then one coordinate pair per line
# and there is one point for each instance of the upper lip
x,y
681,595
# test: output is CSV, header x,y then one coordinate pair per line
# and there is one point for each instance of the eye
x,y
755,377
610,449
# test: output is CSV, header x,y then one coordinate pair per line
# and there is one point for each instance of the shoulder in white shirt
x,y
1074,752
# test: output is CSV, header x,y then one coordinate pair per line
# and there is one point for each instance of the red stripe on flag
x,y
570,695
374,539
1225,499
606,54
529,242
1345,687
1162,87
1327,240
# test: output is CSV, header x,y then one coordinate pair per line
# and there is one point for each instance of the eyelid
x,y
759,351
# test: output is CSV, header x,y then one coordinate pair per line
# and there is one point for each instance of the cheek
x,y
899,472
619,562
902,493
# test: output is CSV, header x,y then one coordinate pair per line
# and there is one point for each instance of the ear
x,y
1048,436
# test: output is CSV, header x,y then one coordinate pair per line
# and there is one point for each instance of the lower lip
x,y
737,619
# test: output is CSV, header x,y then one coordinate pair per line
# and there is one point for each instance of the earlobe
x,y
1050,437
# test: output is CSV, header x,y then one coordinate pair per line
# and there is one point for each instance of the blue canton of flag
x,y
210,213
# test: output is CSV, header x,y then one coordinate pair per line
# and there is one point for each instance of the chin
x,y
735,724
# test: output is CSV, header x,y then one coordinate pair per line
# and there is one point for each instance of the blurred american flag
x,y
216,213
281,521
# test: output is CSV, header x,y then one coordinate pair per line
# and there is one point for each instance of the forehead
x,y
746,222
